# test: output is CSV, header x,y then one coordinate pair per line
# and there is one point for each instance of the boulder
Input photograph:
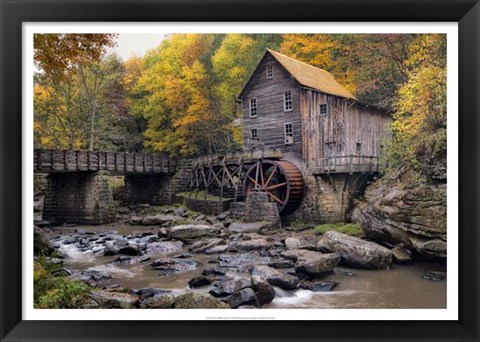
x,y
242,261
435,275
292,243
168,265
181,212
264,292
41,242
114,300
312,263
242,297
158,220
150,292
229,286
396,211
131,249
401,255
162,301
249,245
357,252
195,300
191,232
276,278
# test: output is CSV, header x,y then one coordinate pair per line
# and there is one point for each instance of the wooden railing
x,y
51,161
237,157
347,164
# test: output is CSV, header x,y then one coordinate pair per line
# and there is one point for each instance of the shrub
x,y
52,290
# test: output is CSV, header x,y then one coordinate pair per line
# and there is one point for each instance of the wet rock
x,y
122,260
344,272
163,232
163,247
134,220
292,243
242,297
168,266
223,215
181,212
229,286
113,247
191,232
264,292
217,249
162,301
148,239
401,255
183,256
144,259
249,245
157,220
320,286
276,278
357,252
281,263
202,245
199,281
253,227
195,300
41,242
312,263
150,292
113,300
435,275
278,244
131,249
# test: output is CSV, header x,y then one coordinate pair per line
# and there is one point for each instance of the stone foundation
x,y
81,197
151,189
328,198
257,207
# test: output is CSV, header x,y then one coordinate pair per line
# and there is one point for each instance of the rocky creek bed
x,y
178,259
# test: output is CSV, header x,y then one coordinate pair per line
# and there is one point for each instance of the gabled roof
x,y
309,76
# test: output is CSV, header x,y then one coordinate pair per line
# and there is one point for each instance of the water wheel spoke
x,y
276,186
275,197
271,175
253,180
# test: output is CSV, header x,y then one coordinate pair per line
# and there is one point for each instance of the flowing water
x,y
398,287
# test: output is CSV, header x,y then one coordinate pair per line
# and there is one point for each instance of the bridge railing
x,y
49,161
347,164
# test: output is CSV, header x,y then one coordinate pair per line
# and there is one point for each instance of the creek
x,y
401,286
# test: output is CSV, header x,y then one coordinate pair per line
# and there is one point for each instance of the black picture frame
x,y
13,13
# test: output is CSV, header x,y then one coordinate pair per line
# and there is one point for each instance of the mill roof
x,y
310,76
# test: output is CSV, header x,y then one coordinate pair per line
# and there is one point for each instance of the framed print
x,y
199,171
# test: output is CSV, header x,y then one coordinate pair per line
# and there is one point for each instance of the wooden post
x,y
89,161
65,167
77,153
351,163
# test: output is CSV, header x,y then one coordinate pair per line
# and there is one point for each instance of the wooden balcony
x,y
347,164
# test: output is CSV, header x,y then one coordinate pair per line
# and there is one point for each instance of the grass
x,y
351,229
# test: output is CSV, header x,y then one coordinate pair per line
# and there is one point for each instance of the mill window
x,y
288,133
358,148
254,133
253,108
323,109
269,71
287,102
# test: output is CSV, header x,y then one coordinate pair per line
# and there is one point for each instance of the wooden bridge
x,y
57,161
347,164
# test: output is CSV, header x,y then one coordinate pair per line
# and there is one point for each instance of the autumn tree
x,y
420,126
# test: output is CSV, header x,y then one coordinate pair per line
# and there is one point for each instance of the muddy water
x,y
399,287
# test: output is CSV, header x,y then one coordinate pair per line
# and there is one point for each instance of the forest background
x,y
180,97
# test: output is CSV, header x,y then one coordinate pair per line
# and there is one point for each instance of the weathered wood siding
x,y
337,133
271,116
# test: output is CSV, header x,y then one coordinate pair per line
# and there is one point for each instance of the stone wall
x,y
257,207
328,198
151,189
82,197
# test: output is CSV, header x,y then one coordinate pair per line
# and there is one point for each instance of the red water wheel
x,y
281,180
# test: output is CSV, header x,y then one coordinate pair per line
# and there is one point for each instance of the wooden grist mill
x,y
234,175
